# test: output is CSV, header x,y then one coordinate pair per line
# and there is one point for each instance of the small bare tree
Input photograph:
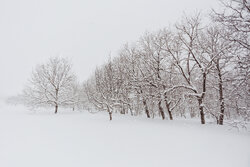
x,y
51,84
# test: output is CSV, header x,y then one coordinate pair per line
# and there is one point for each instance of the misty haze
x,y
136,83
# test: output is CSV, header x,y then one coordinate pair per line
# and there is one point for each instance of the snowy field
x,y
81,139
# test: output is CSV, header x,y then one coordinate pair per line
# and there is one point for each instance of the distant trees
x,y
51,84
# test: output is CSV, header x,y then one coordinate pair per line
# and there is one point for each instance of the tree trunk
x,y
200,99
146,108
110,114
56,109
222,105
169,111
167,104
201,111
123,110
131,111
161,110
168,107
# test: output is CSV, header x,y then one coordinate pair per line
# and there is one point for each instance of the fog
x,y
85,31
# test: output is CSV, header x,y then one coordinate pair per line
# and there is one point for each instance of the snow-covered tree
x,y
51,84
234,18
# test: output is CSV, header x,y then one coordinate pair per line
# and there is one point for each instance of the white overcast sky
x,y
86,31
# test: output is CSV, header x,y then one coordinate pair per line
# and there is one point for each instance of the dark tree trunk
x,y
146,107
169,110
161,110
200,99
222,105
131,111
110,114
201,111
56,109
168,107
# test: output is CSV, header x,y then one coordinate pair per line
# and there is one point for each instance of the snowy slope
x,y
80,139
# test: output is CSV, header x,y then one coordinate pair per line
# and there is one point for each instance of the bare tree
x,y
235,19
101,89
190,59
133,67
220,51
51,84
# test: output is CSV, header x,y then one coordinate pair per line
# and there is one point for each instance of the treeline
x,y
191,69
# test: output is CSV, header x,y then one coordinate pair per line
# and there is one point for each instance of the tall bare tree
x,y
235,19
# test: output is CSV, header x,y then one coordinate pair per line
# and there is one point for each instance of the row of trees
x,y
190,69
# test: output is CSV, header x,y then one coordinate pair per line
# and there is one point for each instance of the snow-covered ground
x,y
81,139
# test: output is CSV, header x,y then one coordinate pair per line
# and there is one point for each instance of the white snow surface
x,y
81,139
